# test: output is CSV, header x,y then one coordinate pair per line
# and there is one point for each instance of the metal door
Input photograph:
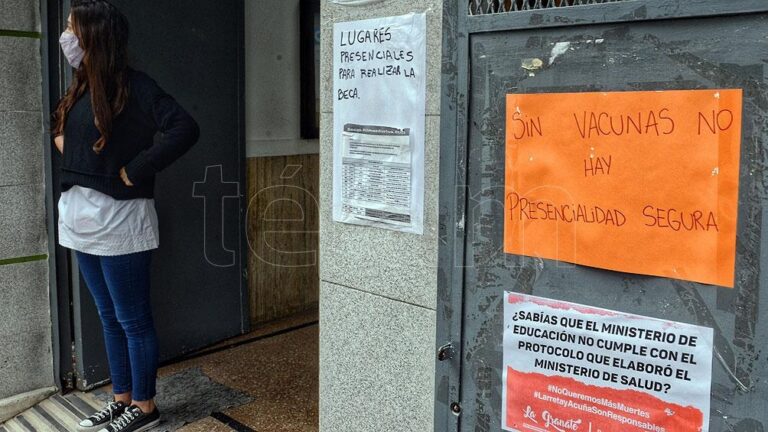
x,y
199,290
645,45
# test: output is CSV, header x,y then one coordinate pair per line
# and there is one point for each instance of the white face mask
x,y
70,45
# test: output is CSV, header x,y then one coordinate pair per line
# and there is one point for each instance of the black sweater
x,y
148,110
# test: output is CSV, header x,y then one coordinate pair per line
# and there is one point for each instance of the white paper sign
x,y
569,367
379,90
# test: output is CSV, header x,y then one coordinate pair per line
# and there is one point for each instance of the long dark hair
x,y
103,33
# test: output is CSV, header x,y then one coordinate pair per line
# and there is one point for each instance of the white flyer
x,y
379,90
571,367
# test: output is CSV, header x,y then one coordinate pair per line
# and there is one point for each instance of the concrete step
x,y
55,414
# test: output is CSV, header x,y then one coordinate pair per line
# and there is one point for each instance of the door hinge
x,y
446,352
456,408
68,381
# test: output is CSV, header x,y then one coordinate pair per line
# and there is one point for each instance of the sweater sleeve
x,y
179,131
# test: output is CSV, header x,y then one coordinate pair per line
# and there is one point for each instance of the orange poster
x,y
639,182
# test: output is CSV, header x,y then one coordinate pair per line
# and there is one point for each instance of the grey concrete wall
x,y
20,15
26,362
378,287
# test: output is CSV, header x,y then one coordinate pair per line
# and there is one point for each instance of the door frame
x,y
55,76
458,28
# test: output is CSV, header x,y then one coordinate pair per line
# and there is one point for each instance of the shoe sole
x,y
148,426
97,427
91,428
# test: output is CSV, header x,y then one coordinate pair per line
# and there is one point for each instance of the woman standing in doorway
x,y
104,127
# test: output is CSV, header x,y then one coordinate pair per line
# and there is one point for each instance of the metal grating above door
x,y
485,7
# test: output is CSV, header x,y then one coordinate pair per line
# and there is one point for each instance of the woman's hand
x,y
125,178
59,141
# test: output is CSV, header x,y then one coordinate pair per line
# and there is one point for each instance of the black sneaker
x,y
134,420
102,418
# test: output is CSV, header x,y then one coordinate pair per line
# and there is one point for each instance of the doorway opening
x,y
235,281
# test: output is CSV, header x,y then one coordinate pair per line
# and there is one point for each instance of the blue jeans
x,y
120,288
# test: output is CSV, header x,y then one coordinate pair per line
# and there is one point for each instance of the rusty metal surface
x,y
724,52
